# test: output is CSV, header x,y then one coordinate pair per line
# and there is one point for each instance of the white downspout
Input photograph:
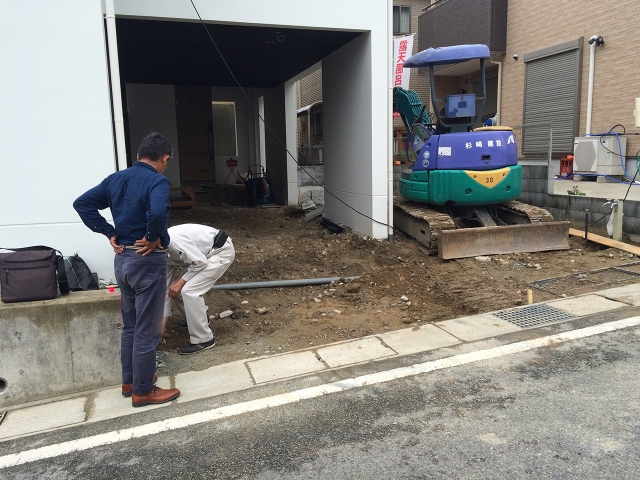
x,y
390,120
593,43
116,94
498,106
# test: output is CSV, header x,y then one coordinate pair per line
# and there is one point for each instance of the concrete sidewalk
x,y
108,403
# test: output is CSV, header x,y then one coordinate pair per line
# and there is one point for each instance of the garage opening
x,y
173,81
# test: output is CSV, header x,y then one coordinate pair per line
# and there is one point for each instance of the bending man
x,y
139,201
207,253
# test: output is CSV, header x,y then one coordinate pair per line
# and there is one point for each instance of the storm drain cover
x,y
534,315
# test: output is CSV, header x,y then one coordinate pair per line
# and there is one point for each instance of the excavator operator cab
x,y
456,113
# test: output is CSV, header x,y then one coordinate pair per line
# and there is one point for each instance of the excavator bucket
x,y
531,237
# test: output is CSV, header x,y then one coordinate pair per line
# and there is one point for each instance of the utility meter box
x,y
601,155
463,105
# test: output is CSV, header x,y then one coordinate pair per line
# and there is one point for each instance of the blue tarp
x,y
447,55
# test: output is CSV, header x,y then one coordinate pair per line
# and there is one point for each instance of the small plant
x,y
576,191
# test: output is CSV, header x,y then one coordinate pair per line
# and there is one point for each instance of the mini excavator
x,y
460,196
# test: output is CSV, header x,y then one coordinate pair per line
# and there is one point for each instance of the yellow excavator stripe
x,y
488,179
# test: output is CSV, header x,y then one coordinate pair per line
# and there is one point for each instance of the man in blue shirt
x,y
139,201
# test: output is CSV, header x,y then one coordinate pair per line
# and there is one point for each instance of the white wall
x,y
152,108
55,124
355,134
330,14
55,120
292,141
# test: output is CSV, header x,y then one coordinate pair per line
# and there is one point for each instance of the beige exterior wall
x,y
535,25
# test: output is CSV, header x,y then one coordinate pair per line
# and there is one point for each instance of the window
x,y
224,129
401,19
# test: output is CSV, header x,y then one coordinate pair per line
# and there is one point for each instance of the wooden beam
x,y
180,201
592,237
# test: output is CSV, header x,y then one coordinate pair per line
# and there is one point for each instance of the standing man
x,y
139,201
207,253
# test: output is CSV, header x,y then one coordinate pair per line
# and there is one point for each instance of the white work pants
x,y
190,302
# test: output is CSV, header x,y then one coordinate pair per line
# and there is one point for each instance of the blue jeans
x,y
142,291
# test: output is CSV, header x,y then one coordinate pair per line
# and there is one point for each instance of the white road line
x,y
86,443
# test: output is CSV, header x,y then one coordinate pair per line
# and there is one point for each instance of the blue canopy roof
x,y
447,55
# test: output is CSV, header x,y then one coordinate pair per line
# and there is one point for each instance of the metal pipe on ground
x,y
300,282
586,227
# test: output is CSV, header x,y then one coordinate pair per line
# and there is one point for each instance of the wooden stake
x,y
529,296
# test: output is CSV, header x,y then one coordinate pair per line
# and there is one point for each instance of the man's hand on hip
x,y
146,247
114,244
174,290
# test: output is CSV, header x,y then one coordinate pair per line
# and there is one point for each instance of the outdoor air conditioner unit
x,y
600,155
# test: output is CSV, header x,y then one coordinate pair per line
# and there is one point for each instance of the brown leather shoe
x,y
127,388
156,396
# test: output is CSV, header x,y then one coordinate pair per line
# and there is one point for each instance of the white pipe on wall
x,y
390,119
116,94
593,43
498,106
592,61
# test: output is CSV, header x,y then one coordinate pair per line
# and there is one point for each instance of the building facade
x,y
66,122
540,58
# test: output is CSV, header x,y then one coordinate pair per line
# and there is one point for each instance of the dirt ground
x,y
279,244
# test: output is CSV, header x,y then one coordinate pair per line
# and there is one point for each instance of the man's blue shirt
x,y
139,201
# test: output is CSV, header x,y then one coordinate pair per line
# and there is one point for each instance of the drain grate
x,y
534,315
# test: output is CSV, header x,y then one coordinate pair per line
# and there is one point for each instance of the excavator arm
x,y
407,103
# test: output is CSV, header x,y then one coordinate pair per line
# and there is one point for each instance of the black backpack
x,y
79,275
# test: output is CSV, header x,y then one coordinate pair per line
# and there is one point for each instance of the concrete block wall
x,y
57,347
572,208
316,171
397,172
535,184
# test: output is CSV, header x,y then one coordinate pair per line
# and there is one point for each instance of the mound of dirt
x,y
399,284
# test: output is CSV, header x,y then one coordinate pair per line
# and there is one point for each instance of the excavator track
x,y
437,231
428,225
535,214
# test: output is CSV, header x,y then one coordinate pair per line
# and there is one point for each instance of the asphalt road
x,y
563,411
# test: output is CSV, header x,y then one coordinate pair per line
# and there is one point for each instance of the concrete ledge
x,y
61,346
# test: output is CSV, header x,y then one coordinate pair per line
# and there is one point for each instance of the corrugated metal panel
x,y
224,129
311,88
551,95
